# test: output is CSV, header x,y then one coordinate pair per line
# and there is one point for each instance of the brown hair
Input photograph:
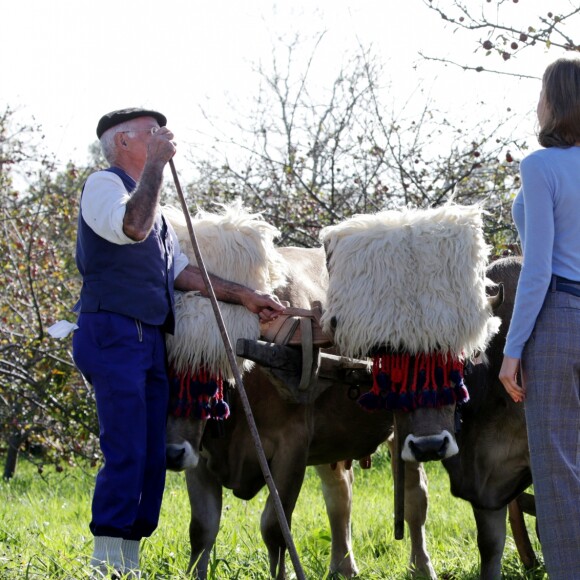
x,y
561,85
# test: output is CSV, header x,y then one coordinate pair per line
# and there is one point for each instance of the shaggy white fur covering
x,y
411,279
237,246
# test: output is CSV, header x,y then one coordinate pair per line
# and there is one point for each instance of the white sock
x,y
107,553
130,554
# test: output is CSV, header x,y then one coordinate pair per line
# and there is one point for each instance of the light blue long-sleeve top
x,y
546,212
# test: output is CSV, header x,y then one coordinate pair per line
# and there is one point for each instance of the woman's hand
x,y
508,376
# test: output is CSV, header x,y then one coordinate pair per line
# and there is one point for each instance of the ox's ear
x,y
495,301
328,253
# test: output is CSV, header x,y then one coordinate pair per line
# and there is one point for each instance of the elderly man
x,y
130,262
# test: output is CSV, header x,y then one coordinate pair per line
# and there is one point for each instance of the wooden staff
x,y
399,487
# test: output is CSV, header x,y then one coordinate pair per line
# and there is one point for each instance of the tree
x,y
307,155
306,161
504,31
44,403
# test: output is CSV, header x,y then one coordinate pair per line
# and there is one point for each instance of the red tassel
x,y
198,394
393,388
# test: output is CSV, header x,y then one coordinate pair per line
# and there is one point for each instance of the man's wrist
x,y
155,166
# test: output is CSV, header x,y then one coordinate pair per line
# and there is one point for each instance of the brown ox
x,y
294,435
492,466
408,287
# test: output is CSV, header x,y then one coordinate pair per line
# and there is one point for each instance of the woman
x,y
545,329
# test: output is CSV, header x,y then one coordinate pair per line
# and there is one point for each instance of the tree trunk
x,y
14,443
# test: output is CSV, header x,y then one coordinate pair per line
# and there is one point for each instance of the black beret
x,y
117,117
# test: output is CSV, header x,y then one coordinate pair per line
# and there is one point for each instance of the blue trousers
x,y
124,360
551,372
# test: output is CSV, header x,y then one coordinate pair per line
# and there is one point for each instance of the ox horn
x,y
496,300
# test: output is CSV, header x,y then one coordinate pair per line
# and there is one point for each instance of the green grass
x,y
44,530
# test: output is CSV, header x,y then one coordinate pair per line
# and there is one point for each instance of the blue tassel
x,y
427,399
191,393
200,409
455,377
406,402
178,405
202,386
395,389
383,381
392,401
220,410
446,396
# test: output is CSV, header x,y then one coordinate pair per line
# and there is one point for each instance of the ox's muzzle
x,y
429,448
183,442
181,456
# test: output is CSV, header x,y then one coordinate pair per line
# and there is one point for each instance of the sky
x,y
67,62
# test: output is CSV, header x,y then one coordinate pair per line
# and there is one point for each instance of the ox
x,y
487,460
492,467
319,432
325,429
408,287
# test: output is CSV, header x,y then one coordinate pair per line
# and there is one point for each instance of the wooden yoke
x,y
288,329
299,327
295,370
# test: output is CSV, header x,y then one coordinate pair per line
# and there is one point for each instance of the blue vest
x,y
131,279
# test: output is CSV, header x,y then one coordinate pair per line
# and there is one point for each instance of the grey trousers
x,y
551,375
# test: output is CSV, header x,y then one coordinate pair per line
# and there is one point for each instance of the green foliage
x,y
44,404
44,530
304,163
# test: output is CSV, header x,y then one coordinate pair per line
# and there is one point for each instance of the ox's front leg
x,y
205,498
337,491
416,504
491,534
288,475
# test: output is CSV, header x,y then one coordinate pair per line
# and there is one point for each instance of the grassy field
x,y
44,532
